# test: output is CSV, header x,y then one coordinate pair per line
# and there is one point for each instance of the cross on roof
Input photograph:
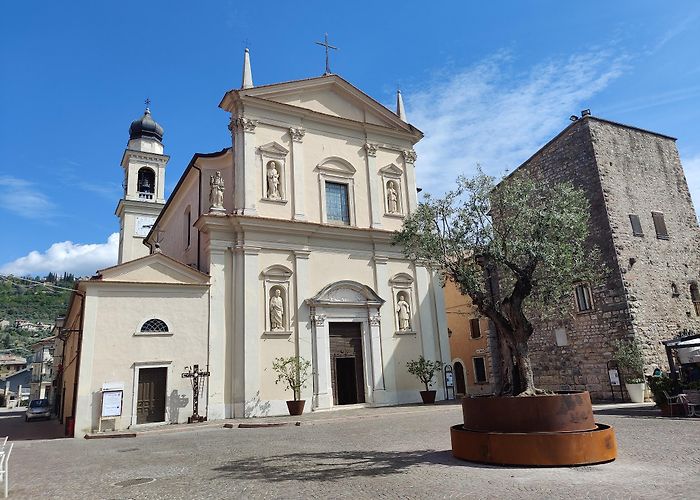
x,y
325,44
148,103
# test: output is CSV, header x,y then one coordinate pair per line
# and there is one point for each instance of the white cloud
x,y
490,116
66,256
691,166
19,196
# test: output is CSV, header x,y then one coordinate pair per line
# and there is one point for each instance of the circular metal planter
x,y
549,430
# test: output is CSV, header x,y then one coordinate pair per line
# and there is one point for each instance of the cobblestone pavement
x,y
400,452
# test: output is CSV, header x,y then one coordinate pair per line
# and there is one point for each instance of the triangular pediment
x,y
391,170
154,268
274,149
333,96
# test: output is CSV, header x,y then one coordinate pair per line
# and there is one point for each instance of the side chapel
x,y
279,245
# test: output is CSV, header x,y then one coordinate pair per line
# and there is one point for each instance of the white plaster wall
x,y
111,346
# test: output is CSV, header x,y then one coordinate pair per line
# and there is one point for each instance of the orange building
x,y
469,344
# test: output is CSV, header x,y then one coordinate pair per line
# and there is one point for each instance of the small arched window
x,y
154,326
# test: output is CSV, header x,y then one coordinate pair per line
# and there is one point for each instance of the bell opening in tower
x,y
146,183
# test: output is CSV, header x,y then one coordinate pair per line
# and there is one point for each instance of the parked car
x,y
38,408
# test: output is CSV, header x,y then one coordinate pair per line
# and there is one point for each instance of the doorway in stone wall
x,y
347,367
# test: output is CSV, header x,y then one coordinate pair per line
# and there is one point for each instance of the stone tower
x,y
644,223
144,186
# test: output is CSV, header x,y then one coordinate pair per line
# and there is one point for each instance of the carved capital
x,y
243,123
409,155
297,133
319,319
371,149
375,320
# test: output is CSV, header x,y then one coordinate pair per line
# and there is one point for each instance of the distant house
x,y
11,363
15,384
42,369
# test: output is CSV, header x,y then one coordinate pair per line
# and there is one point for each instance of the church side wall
x,y
579,362
641,173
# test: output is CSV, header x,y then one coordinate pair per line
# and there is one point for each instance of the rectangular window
x,y
660,225
475,328
636,225
480,370
584,301
188,227
337,207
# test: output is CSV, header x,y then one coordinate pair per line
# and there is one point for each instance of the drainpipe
x,y
199,214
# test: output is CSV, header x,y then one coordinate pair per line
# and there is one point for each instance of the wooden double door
x,y
347,367
150,405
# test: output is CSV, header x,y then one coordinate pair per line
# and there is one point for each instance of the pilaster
x,y
409,159
321,362
304,320
386,320
243,131
217,330
375,196
425,311
298,199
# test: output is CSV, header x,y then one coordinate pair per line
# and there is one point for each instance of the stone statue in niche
x,y
216,192
277,311
392,197
404,312
273,181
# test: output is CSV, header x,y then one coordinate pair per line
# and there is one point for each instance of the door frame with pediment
x,y
345,301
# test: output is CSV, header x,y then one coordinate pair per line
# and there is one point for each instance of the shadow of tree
x,y
336,465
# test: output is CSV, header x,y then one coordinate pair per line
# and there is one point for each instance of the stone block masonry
x,y
645,293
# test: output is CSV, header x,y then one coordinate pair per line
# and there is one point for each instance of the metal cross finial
x,y
325,44
148,104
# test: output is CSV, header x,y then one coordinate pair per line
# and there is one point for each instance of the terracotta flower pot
x,y
296,407
428,397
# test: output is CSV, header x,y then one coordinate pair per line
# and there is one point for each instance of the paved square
x,y
400,452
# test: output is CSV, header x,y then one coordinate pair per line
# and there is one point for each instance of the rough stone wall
x,y
581,364
641,172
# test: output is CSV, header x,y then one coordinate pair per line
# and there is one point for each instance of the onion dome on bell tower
x,y
146,127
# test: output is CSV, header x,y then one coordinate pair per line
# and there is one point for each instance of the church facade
x,y
279,245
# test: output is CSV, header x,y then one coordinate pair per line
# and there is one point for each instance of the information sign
x,y
112,404
614,376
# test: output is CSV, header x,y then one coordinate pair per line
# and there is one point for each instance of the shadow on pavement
x,y
642,411
336,466
13,426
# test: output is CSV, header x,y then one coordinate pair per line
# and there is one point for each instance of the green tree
x,y
515,249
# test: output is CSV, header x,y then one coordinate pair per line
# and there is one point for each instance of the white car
x,y
38,408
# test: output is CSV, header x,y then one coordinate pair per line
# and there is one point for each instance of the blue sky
x,y
488,83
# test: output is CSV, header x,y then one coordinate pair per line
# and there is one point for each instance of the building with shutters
x,y
279,244
644,223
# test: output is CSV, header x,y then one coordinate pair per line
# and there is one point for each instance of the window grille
x,y
154,326
584,301
337,206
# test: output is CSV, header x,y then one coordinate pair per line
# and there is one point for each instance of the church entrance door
x,y
150,406
347,368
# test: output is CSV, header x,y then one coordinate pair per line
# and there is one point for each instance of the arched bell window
x,y
146,183
154,325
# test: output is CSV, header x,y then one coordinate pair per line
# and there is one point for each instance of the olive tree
x,y
516,249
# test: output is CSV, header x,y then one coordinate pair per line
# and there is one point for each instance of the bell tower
x,y
144,186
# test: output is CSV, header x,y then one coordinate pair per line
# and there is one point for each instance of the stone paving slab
x,y
400,452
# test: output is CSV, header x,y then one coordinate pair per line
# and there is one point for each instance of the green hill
x,y
34,302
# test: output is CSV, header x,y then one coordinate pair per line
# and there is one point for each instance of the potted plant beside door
x,y
424,370
293,371
629,359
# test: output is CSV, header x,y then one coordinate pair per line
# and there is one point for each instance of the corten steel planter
x,y
428,397
296,407
548,430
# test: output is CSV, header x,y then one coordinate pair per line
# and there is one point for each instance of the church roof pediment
x,y
346,293
329,95
154,268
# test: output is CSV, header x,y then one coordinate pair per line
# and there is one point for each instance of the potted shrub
x,y
629,359
657,386
425,370
293,371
